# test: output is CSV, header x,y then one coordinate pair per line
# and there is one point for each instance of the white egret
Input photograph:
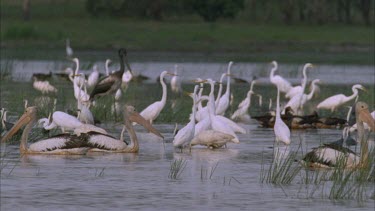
x,y
241,114
335,101
281,130
297,90
218,96
279,81
297,102
93,77
69,50
186,134
225,99
152,111
176,82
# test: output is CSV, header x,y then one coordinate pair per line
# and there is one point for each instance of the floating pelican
x,y
69,50
112,82
152,111
212,139
60,144
225,99
279,81
106,143
331,155
186,134
282,132
335,101
176,82
298,90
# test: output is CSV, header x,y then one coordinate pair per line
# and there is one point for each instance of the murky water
x,y
222,179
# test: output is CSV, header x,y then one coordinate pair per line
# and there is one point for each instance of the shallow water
x,y
222,179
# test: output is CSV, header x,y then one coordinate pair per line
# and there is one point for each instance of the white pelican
x,y
105,143
242,112
186,134
297,90
112,82
212,139
69,50
282,132
176,82
152,111
60,144
93,78
330,155
279,81
365,125
225,99
297,101
44,86
335,101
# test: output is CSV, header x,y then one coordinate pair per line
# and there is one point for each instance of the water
x,y
222,179
329,74
140,181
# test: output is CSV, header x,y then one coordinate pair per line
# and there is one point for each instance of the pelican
x,y
212,139
297,101
151,112
242,112
279,81
112,82
281,130
176,82
335,101
69,50
106,143
331,155
225,99
93,77
60,144
186,134
298,90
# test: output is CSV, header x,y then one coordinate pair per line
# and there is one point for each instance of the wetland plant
x,y
176,168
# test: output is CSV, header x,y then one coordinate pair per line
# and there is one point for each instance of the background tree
x,y
211,10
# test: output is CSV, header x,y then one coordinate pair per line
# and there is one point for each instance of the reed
x,y
176,168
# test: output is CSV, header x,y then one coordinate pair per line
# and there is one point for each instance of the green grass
x,y
53,22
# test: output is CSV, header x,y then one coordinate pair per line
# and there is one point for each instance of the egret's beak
x,y
365,116
229,74
172,74
364,89
136,117
24,119
199,81
188,94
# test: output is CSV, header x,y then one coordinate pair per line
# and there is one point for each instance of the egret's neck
x,y
278,103
273,70
354,95
77,67
310,95
107,68
211,102
220,90
199,96
164,97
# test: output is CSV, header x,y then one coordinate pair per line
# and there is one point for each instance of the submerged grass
x,y
176,168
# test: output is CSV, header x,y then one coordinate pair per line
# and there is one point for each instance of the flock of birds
x,y
208,125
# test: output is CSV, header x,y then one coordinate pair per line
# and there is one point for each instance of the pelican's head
x,y
28,116
363,115
133,116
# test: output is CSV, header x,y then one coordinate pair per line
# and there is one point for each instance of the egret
x,y
242,112
281,130
298,90
93,77
279,81
69,50
176,82
225,99
331,155
297,102
335,101
186,134
152,111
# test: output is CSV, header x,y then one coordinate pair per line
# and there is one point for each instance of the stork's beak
x,y
365,116
24,119
136,117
